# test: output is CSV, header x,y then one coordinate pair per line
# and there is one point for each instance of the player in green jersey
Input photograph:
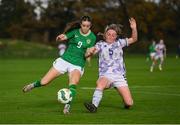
x,y
152,51
73,60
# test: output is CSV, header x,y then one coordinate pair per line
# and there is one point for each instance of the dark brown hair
x,y
76,24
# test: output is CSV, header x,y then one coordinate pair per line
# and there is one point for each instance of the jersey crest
x,y
88,41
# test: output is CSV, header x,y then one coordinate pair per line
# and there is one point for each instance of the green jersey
x,y
152,49
77,45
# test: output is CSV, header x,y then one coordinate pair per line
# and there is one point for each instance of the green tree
x,y
16,18
7,11
55,17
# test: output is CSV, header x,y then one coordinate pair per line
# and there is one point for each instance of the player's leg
x,y
74,77
154,61
102,83
89,61
152,55
59,67
126,95
161,62
50,75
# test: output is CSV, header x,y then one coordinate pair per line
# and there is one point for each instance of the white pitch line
x,y
88,88
152,93
158,93
138,87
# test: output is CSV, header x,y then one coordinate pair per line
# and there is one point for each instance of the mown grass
x,y
156,95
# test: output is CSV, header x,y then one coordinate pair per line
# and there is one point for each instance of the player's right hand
x,y
92,50
61,37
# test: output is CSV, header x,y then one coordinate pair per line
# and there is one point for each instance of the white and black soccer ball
x,y
64,95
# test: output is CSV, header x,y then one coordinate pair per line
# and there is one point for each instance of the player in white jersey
x,y
112,71
160,54
62,48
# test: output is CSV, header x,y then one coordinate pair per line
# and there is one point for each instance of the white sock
x,y
97,96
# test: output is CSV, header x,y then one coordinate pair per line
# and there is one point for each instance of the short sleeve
x,y
70,34
98,45
123,42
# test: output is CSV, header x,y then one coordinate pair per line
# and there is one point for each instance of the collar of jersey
x,y
83,33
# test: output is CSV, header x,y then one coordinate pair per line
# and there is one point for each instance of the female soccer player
x,y
73,60
152,51
112,71
160,54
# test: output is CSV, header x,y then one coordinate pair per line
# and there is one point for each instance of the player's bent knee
x,y
100,87
129,104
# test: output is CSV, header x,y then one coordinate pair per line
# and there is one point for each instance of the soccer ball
x,y
64,95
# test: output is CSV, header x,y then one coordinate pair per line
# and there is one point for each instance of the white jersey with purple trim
x,y
160,49
62,46
111,57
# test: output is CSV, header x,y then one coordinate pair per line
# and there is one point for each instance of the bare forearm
x,y
134,35
87,54
90,52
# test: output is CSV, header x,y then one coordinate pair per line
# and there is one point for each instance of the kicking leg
x,y
51,74
74,78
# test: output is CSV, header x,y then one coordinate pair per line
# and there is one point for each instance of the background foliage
x,y
36,20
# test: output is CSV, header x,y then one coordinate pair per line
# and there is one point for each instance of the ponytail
x,y
72,25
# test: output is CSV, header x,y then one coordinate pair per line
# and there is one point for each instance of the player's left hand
x,y
132,22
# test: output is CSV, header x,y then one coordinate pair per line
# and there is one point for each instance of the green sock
x,y
37,84
72,88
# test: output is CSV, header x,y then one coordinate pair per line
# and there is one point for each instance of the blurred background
x,y
40,21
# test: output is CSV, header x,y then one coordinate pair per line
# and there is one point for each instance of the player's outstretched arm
x,y
134,34
90,51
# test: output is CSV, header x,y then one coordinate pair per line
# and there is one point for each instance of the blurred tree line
x,y
156,20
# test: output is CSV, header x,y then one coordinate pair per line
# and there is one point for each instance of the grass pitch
x,y
156,95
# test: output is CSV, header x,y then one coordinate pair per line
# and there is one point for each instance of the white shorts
x,y
115,80
152,55
159,56
63,66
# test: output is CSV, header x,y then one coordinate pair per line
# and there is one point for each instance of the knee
x,y
74,80
100,86
129,104
74,77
